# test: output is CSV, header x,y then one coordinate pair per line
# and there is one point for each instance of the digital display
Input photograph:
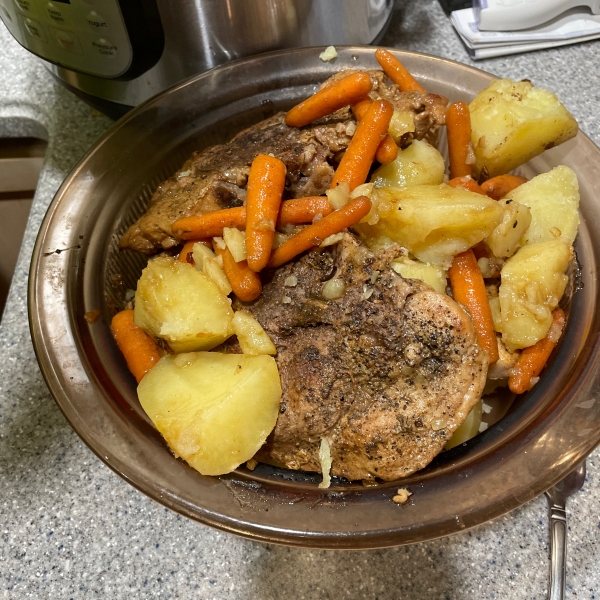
x,y
63,1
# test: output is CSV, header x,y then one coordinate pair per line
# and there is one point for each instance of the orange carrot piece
x,y
360,108
387,151
340,93
303,210
397,72
314,234
292,212
497,187
244,281
210,224
263,199
186,253
468,183
532,359
358,158
139,349
469,289
458,124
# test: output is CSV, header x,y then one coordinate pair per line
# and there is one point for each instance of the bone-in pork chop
x,y
386,373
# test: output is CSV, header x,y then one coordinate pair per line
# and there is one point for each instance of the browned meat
x,y
386,373
429,110
216,178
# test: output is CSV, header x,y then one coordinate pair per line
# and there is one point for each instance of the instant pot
x,y
117,53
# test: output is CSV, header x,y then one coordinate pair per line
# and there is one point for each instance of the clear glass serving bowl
x,y
77,268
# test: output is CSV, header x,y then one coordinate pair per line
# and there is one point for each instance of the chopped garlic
x,y
339,195
402,496
334,288
286,300
328,54
332,239
291,281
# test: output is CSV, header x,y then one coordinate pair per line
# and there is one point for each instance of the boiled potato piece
x,y
511,122
181,305
214,410
413,269
469,429
434,222
532,283
506,238
553,199
418,164
252,337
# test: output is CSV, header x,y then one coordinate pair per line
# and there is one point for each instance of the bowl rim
x,y
561,417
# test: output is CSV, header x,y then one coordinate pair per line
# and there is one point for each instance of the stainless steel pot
x,y
118,53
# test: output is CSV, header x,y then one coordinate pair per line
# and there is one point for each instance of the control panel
x,y
84,35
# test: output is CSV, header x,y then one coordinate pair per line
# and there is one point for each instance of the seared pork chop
x,y
216,178
386,373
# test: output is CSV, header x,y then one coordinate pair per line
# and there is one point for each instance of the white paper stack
x,y
570,28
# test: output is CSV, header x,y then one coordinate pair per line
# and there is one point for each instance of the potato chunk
x,y
532,283
512,122
553,199
181,305
418,164
214,410
252,337
434,222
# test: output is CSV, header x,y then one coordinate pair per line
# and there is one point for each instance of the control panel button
x,y
96,22
34,29
58,14
66,40
105,48
24,5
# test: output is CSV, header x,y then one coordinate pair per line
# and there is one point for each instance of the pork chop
x,y
386,373
216,178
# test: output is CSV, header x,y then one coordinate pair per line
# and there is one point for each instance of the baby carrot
x,y
532,359
139,349
245,283
340,93
360,108
387,151
314,234
497,187
358,158
458,124
468,183
292,212
469,289
397,72
263,199
303,210
209,224
186,253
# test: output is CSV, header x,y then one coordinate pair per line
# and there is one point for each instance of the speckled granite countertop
x,y
70,528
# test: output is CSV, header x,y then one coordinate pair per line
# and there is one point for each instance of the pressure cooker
x,y
118,53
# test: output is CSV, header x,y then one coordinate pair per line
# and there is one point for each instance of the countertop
x,y
71,528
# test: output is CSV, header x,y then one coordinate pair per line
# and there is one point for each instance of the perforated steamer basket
x,y
76,268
